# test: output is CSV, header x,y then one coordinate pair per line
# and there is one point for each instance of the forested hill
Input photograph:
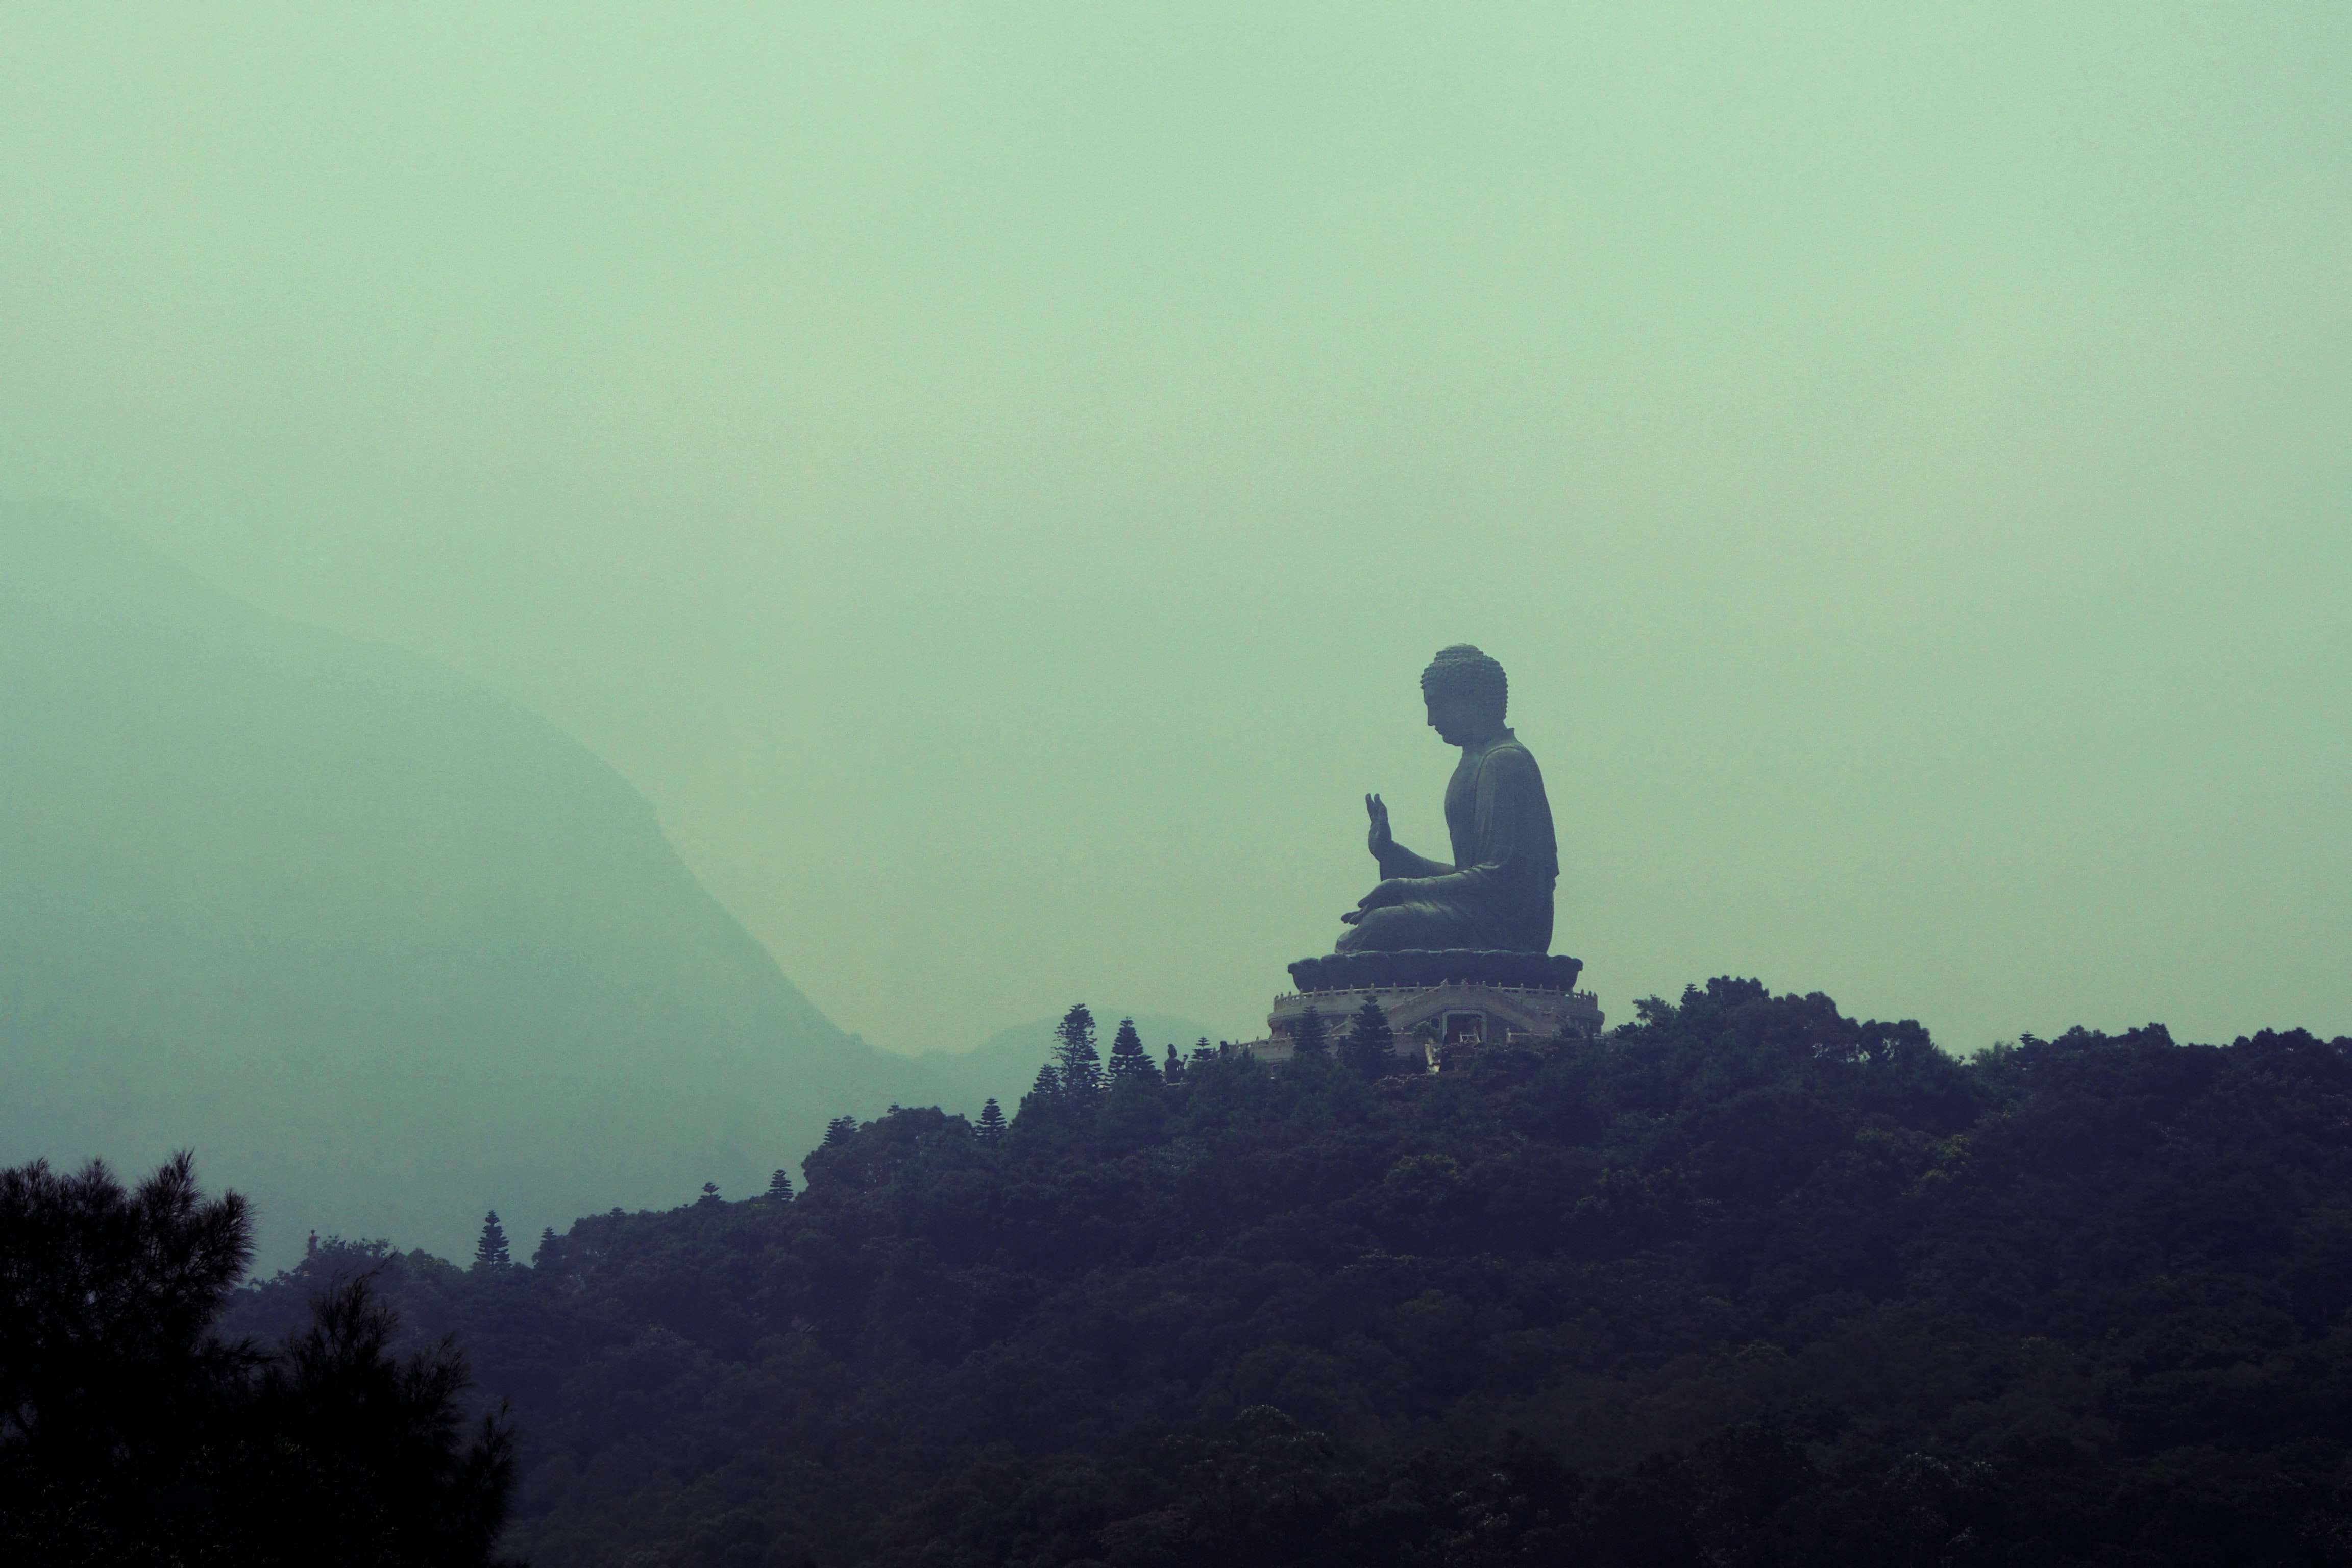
x,y
1745,1282
383,947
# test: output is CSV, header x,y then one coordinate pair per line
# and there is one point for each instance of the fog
x,y
992,477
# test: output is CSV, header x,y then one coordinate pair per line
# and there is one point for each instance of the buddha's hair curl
x,y
1462,670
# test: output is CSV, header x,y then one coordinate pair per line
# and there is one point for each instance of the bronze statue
x,y
1497,895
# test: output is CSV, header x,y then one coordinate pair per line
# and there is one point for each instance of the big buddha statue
x,y
1496,894
1456,953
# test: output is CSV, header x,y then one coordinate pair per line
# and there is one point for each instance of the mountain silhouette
x,y
387,949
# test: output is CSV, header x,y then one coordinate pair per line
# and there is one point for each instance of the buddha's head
x,y
1466,693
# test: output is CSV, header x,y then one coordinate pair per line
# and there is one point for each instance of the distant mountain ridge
x,y
387,949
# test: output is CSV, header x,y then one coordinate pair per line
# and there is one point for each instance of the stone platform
x,y
1437,998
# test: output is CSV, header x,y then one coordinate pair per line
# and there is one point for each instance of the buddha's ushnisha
x,y
1498,893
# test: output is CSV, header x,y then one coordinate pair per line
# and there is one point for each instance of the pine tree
x,y
840,1131
141,1432
780,1186
1074,1053
1308,1038
1202,1051
1173,1069
551,1249
1371,1046
490,1251
710,1198
992,1122
1128,1057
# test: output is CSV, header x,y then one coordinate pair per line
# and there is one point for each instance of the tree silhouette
x,y
710,1198
550,1250
1045,1095
992,1122
104,1298
366,1464
1128,1057
1309,1039
131,1434
1371,1046
840,1131
780,1186
1757,1187
490,1251
1078,1064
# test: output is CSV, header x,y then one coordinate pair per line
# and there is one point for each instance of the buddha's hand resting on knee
x,y
1393,891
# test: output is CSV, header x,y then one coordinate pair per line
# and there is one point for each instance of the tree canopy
x,y
1744,1281
1078,1064
1371,1044
1128,1057
1310,1037
132,1434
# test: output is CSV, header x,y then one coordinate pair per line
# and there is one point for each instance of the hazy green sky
x,y
992,474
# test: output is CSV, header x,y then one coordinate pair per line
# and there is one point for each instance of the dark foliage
x,y
1128,1057
1747,1282
1077,1065
129,1435
1310,1039
1370,1044
490,1251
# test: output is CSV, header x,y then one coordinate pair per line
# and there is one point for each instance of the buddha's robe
x,y
1497,894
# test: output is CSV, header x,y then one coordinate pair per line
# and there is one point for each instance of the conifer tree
x,y
992,1122
710,1198
1173,1069
1074,1052
551,1249
780,1186
137,1431
1309,1037
840,1131
490,1251
1371,1046
1202,1051
1128,1057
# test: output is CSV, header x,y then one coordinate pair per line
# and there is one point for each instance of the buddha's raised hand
x,y
1379,839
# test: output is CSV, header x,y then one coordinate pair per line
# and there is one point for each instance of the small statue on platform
x,y
1497,895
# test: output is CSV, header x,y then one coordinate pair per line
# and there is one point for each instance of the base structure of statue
x,y
1438,1001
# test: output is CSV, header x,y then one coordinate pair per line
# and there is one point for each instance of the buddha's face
x,y
1457,717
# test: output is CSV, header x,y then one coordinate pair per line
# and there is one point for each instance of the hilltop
x,y
1747,1281
1004,1065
